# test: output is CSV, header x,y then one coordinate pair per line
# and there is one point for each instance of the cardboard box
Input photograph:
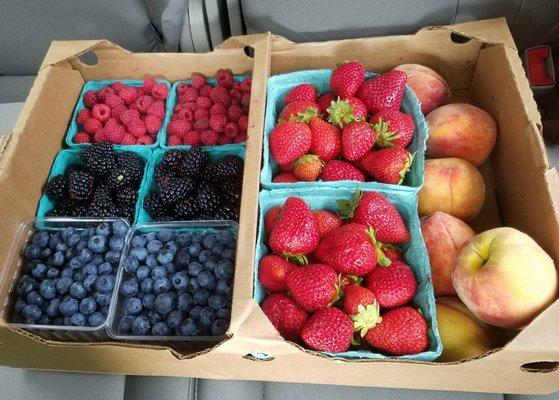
x,y
481,64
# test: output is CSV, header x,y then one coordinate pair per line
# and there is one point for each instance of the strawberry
x,y
289,141
286,316
392,252
343,111
347,78
393,285
292,110
337,170
399,332
328,330
350,249
376,211
313,287
295,232
361,306
326,141
285,177
383,91
272,272
307,168
324,101
327,221
357,139
270,218
304,91
393,128
388,165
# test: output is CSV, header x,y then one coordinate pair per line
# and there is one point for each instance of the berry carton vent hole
x,y
540,367
259,356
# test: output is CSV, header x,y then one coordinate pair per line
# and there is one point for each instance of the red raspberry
x,y
114,133
237,86
224,78
82,137
206,90
236,94
178,107
160,91
147,140
112,100
189,115
245,109
129,94
246,85
243,123
90,98
198,80
204,102
116,112
118,86
182,88
224,140
178,127
128,139
235,102
142,103
191,105
129,115
201,125
99,137
191,138
153,123
241,138
174,141
209,137
218,108
137,128
157,108
148,85
245,100
92,125
234,113
104,92
101,112
83,115
231,130
190,94
218,122
182,113
200,113
220,95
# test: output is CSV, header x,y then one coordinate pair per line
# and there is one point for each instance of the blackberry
x,y
194,162
231,191
126,196
227,212
56,187
172,190
99,158
102,204
186,209
164,218
154,206
208,198
64,208
172,160
80,185
126,211
133,164
228,168
80,210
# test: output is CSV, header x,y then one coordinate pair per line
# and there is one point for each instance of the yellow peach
x,y
431,89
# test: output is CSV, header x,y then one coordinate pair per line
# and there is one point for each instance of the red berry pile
x,y
337,280
355,131
122,114
207,115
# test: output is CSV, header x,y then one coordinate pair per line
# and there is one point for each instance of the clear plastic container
x,y
116,310
14,270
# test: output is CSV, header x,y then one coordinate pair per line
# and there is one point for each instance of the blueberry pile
x,y
177,284
69,275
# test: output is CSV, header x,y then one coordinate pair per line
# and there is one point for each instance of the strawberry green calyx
x,y
389,246
339,292
355,341
366,318
354,279
305,116
381,258
299,259
341,113
347,207
407,166
383,136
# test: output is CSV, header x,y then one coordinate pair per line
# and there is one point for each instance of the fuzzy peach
x,y
444,236
431,89
453,186
461,130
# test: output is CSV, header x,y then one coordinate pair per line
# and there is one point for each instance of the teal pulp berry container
x,y
98,85
148,186
415,254
279,85
173,100
64,158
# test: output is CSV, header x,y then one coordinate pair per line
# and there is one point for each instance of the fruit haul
x,y
122,114
206,115
356,131
340,281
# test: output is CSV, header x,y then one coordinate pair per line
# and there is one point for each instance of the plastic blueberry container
x,y
116,310
97,85
14,269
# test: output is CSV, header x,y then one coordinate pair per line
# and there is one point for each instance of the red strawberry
x,y
271,218
307,168
383,91
324,101
399,332
327,221
392,252
343,111
393,285
313,287
285,177
328,330
304,91
272,272
361,306
337,170
388,165
357,139
295,232
292,110
326,139
289,141
393,128
286,316
347,78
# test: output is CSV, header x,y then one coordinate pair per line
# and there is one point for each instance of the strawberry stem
x,y
347,207
299,259
384,137
367,317
341,113
407,166
381,258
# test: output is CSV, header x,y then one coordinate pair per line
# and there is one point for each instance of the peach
x,y
461,130
431,89
453,186
444,236
505,278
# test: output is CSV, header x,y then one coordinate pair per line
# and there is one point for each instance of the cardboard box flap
x,y
236,42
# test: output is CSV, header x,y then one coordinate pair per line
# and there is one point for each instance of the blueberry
x,y
58,259
164,303
66,232
78,276
161,285
77,291
197,238
63,285
85,255
97,244
75,263
142,272
185,302
67,273
20,303
193,285
154,316
89,282
44,320
194,268
207,316
52,307
97,259
160,329
125,324
25,285
147,285
31,312
59,320
139,241
120,228
129,288
70,253
171,246
151,261
39,270
78,319
102,299
73,239
151,236
96,319
217,249
217,301
116,243
154,246
105,268
89,269
45,253
41,238
206,280
226,238
131,264
180,281
132,306
103,229
148,301
201,296
224,287
165,235
219,327
105,283
159,272
113,256
182,259
189,328
223,313
209,241
228,253
82,244
165,256
194,249
52,273
139,252
175,318
32,251
224,269
35,298
170,268
61,247
68,307
204,256
211,264
104,310
195,312
54,240
47,289
88,306
184,239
